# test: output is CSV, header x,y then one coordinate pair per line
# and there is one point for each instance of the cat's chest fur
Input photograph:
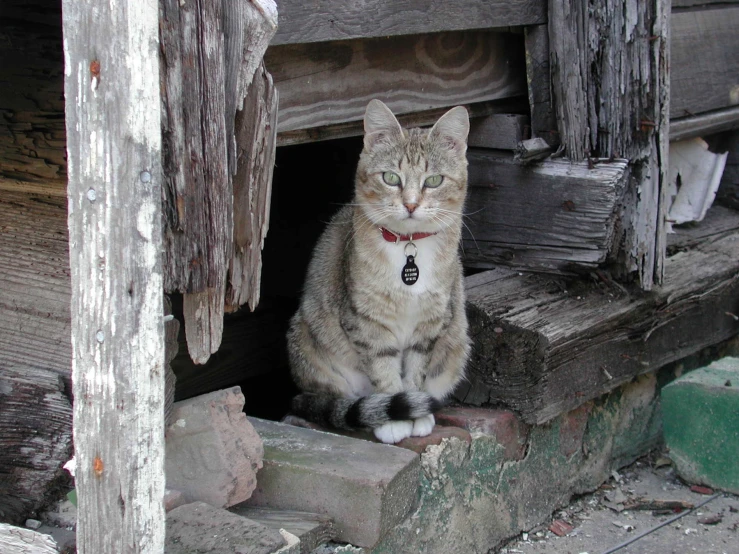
x,y
408,307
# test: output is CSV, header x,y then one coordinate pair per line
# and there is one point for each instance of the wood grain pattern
x,y
35,438
327,20
611,97
35,290
32,137
544,345
554,216
114,142
705,64
331,83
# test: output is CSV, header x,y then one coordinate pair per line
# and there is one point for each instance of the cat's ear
x,y
380,124
452,129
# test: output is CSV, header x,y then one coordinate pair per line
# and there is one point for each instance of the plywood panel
x,y
331,83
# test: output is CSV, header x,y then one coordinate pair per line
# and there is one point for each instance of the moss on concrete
x,y
472,499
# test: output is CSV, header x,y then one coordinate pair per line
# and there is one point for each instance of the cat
x,y
380,337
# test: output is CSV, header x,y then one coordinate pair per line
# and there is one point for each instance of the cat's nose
x,y
411,207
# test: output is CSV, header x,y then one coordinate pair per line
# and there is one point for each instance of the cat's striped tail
x,y
366,412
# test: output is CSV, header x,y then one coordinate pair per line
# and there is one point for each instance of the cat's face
x,y
413,180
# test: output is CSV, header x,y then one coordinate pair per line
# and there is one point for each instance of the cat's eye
x,y
392,179
433,181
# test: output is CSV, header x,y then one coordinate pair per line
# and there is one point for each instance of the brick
x,y
504,425
199,527
572,429
701,424
364,487
173,499
212,451
439,433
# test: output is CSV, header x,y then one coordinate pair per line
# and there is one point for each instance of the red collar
x,y
391,236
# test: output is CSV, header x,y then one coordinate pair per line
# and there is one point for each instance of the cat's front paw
x,y
393,431
423,426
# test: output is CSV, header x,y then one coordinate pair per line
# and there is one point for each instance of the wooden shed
x,y
166,167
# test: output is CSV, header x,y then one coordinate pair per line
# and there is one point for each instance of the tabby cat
x,y
380,338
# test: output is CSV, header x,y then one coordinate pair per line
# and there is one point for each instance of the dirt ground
x,y
598,523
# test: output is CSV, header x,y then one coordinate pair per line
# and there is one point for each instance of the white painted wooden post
x,y
111,54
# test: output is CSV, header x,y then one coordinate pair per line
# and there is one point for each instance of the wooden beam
x,y
331,83
422,118
704,63
687,4
543,345
327,20
114,146
612,98
704,124
553,216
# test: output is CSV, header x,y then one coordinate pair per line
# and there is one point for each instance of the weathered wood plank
x,y
210,53
16,540
327,20
256,136
554,216
422,118
35,438
704,63
704,124
611,97
114,146
331,83
681,4
538,77
32,138
501,131
544,345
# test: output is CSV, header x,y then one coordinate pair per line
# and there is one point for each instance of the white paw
x,y
394,431
423,426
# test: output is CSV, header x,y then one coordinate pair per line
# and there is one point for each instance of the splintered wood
x,y
211,51
612,98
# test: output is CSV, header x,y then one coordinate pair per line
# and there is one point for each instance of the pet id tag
x,y
409,274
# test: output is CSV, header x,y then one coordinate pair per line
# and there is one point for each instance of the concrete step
x,y
701,424
365,488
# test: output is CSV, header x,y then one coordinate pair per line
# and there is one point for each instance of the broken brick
x,y
504,425
212,451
